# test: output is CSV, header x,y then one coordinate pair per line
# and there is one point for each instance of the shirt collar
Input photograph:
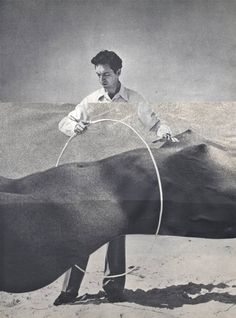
x,y
122,93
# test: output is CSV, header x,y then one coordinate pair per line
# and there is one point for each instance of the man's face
x,y
107,77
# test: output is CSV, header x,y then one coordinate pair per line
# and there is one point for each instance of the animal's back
x,y
52,218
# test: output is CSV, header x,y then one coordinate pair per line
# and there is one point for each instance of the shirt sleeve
x,y
68,123
146,115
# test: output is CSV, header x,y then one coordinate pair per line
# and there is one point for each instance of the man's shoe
x,y
116,297
65,298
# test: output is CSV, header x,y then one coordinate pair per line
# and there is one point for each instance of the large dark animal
x,y
52,219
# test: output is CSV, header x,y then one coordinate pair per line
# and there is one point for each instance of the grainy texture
x,y
177,276
173,50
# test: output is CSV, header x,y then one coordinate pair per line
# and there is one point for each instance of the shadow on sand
x,y
170,297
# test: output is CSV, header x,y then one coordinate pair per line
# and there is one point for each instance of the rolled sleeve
x,y
68,123
146,115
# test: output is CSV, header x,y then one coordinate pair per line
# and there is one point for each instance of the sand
x,y
177,277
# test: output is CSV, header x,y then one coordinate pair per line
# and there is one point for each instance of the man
x,y
108,69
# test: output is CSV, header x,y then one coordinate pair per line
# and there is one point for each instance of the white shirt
x,y
125,95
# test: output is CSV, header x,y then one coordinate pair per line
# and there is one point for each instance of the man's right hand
x,y
80,127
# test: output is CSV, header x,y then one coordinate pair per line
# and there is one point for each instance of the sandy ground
x,y
176,277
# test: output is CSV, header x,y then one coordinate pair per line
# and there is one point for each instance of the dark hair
x,y
108,57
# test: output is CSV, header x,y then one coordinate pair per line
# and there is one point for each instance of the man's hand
x,y
164,133
80,127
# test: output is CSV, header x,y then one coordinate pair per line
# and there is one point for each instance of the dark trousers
x,y
114,265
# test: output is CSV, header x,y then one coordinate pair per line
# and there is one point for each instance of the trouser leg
x,y
73,278
114,265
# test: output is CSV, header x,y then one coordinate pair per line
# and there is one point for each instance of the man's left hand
x,y
164,133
